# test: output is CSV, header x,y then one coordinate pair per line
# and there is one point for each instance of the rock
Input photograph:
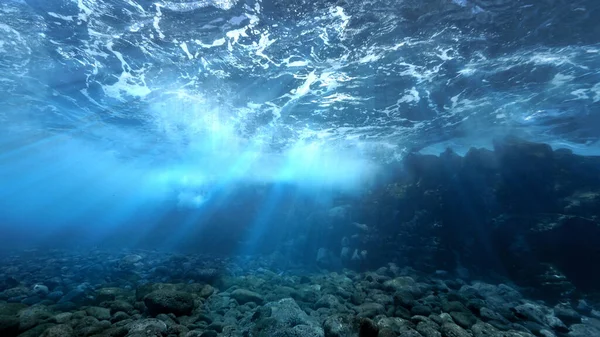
x,y
287,319
327,301
367,328
120,305
9,326
338,326
454,306
32,316
490,315
108,294
555,323
55,295
422,310
147,326
119,316
209,333
31,300
130,261
169,301
303,330
453,330
410,333
583,330
244,296
40,290
36,331
370,310
206,291
428,329
98,312
481,329
63,317
464,319
567,314
531,312
61,330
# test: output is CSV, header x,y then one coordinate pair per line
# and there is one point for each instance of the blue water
x,y
130,121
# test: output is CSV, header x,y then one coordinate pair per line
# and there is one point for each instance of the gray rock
x,y
481,329
583,330
55,295
410,333
36,331
531,312
61,330
32,316
119,316
244,296
428,329
567,314
169,301
556,324
370,310
108,294
455,306
63,317
287,319
147,326
464,319
303,330
490,315
327,301
40,290
209,333
98,312
423,310
400,283
120,305
453,330
338,326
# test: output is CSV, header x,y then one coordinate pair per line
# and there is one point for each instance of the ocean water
x,y
299,168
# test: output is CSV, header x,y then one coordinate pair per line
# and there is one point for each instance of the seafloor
x,y
64,293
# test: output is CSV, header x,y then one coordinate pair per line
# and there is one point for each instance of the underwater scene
x,y
300,168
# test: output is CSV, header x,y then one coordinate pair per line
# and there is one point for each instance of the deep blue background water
x,y
148,116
